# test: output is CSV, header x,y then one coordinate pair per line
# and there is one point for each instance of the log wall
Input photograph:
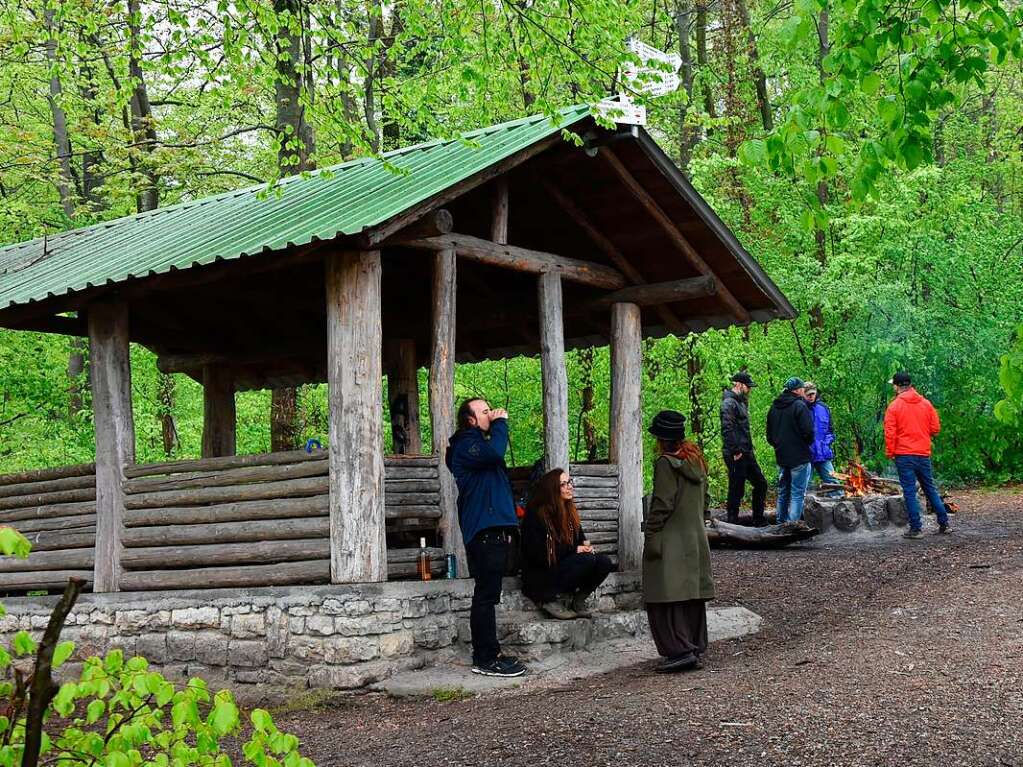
x,y
237,521
56,510
257,520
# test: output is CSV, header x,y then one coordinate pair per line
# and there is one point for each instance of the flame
x,y
857,481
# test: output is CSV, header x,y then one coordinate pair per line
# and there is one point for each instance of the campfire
x,y
858,482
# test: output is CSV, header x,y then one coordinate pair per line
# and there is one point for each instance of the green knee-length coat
x,y
676,557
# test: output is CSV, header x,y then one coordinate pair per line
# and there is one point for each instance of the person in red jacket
x,y
909,424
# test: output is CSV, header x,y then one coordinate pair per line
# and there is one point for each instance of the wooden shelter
x,y
542,245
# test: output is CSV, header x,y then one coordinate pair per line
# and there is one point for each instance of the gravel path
x,y
901,653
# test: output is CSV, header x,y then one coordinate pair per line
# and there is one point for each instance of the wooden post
x,y
442,399
358,544
499,220
555,377
403,392
218,412
110,360
627,429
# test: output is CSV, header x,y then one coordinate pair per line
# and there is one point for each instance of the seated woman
x,y
556,557
677,579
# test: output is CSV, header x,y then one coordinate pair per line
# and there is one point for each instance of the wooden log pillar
x,y
403,393
110,360
218,412
626,429
358,544
555,376
442,399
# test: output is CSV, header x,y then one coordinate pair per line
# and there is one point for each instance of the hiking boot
x,y
677,663
943,529
559,611
502,667
579,606
912,534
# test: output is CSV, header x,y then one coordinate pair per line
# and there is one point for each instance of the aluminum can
x,y
452,566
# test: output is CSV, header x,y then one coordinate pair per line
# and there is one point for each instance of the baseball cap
x,y
744,378
794,383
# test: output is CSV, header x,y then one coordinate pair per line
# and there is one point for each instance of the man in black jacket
x,y
790,432
738,450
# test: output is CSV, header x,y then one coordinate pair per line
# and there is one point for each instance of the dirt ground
x,y
901,653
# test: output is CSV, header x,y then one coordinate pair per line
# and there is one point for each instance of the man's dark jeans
x,y
739,472
487,554
914,468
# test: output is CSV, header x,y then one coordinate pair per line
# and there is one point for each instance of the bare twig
x,y
43,687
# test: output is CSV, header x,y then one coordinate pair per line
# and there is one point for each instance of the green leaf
x,y
94,711
871,83
753,152
262,720
62,652
13,543
23,643
117,759
224,718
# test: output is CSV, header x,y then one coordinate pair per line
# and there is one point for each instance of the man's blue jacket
x,y
484,492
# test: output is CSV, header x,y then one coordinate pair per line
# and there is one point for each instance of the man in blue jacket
x,y
821,452
486,514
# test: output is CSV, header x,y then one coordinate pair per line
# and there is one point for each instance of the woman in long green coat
x,y
677,579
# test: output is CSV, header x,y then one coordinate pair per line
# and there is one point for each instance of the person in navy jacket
x,y
486,515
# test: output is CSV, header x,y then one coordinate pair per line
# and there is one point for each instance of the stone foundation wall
x,y
317,636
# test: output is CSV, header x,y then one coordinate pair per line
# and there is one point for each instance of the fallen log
x,y
727,535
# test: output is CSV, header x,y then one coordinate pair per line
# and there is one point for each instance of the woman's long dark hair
x,y
559,515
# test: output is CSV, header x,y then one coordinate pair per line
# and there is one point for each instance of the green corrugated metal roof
x,y
351,198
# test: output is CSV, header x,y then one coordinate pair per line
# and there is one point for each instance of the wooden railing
x,y
56,510
239,521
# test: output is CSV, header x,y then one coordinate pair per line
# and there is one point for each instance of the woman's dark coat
x,y
538,575
676,557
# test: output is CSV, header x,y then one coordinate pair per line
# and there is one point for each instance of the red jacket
x,y
909,424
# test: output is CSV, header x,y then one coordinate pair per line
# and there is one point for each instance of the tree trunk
x,y
589,431
734,107
701,57
62,144
168,428
142,123
295,133
694,367
689,135
75,369
759,79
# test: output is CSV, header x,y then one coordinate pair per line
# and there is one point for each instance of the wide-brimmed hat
x,y
744,378
668,424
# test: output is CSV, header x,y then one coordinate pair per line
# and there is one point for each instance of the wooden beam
x,y
626,429
574,212
388,228
442,398
110,363
218,412
358,548
554,374
434,223
664,220
403,392
65,326
656,293
499,219
524,260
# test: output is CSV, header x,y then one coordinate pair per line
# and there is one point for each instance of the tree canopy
x,y
867,153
